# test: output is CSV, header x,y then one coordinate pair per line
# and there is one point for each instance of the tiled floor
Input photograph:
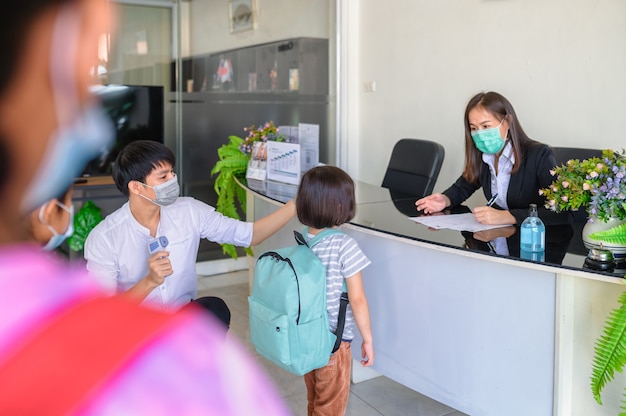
x,y
375,397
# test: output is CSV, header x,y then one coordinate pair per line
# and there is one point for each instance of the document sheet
x,y
459,222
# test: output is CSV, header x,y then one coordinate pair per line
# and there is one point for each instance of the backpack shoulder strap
x,y
301,238
341,319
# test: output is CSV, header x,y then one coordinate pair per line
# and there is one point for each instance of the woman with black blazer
x,y
504,161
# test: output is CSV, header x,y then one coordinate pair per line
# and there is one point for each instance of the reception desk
x,y
471,323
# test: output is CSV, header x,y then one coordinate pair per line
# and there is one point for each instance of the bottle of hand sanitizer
x,y
532,232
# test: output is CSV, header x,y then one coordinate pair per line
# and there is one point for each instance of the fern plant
x,y
610,352
615,235
231,198
232,166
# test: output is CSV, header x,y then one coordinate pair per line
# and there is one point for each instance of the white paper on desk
x,y
459,222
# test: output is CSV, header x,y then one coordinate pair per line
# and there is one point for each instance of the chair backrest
x,y
413,167
562,155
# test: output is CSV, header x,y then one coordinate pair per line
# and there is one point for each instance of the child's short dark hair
x,y
135,162
325,197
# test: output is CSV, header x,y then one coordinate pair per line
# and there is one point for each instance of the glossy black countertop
x,y
381,210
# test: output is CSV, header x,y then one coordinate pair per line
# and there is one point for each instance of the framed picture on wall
x,y
241,15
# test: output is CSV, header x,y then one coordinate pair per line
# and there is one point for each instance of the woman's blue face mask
x,y
57,239
488,140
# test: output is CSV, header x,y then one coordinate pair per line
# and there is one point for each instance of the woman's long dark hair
x,y
501,108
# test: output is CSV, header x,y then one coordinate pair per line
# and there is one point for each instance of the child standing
x,y
326,199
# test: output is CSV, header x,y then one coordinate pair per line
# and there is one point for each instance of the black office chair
x,y
563,154
413,168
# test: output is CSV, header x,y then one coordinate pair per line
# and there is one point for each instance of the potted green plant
x,y
231,167
85,219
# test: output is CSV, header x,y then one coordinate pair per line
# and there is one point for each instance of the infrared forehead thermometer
x,y
158,244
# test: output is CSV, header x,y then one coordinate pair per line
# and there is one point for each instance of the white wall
x,y
562,64
275,20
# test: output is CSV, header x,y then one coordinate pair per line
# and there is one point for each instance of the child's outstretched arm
x,y
268,225
361,312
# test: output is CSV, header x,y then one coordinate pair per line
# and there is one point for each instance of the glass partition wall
x,y
222,71
140,51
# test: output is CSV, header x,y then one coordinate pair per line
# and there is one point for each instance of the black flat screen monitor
x,y
137,113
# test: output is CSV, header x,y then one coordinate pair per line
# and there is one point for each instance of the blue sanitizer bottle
x,y
532,233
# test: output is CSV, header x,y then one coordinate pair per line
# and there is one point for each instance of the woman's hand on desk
x,y
489,215
432,203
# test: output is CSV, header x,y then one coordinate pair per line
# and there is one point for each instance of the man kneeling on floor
x,y
148,247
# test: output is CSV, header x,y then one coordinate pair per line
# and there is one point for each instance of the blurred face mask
x,y
57,239
83,132
488,140
165,193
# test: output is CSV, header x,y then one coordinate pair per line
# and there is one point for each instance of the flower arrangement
x,y
268,132
597,183
231,167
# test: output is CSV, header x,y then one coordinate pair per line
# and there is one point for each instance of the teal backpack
x,y
288,318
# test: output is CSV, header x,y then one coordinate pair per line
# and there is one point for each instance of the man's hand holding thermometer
x,y
159,262
158,244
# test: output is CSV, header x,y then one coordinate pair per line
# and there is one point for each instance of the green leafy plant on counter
x,y
610,352
87,217
231,167
231,197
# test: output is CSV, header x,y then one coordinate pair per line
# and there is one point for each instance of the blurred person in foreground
x,y
53,222
65,348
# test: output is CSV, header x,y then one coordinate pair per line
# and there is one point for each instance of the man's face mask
x,y
165,193
83,132
488,140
